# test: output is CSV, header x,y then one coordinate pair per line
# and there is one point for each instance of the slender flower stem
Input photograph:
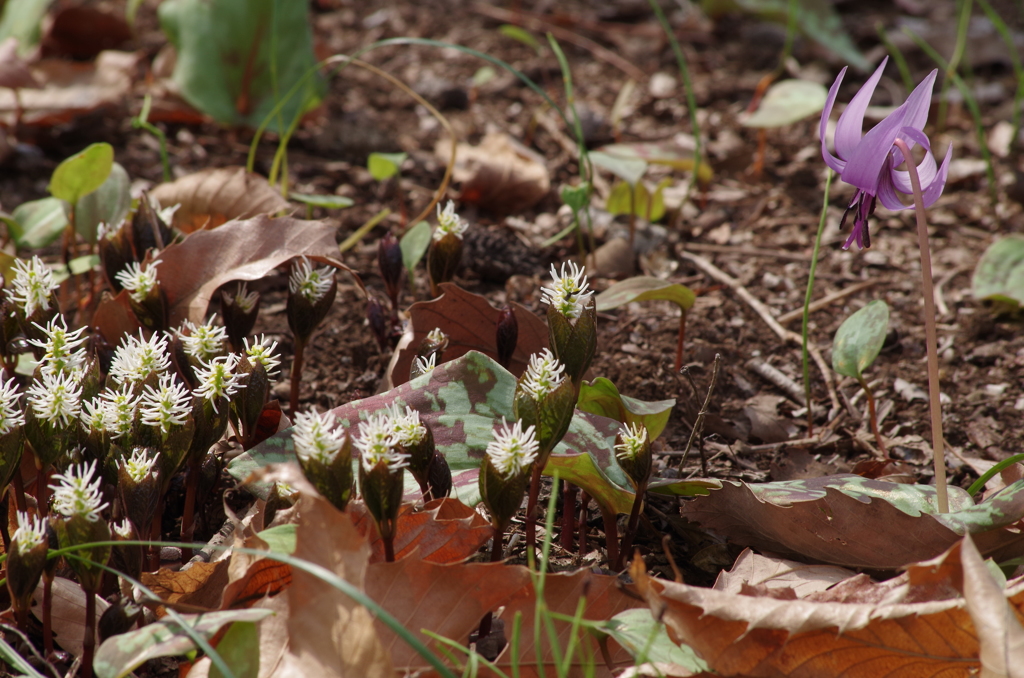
x,y
531,509
42,493
931,335
873,417
89,643
293,402
566,539
188,525
682,337
19,490
47,613
634,520
496,546
611,536
389,548
807,307
584,502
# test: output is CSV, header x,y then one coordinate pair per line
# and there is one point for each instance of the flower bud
x,y
381,471
240,311
415,439
389,259
26,559
633,450
127,558
445,253
311,292
439,476
138,485
149,230
325,455
421,366
32,293
572,320
433,344
506,336
77,501
116,253
378,322
545,400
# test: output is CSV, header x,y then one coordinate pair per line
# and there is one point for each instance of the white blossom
x,y
31,532
428,364
137,358
218,379
376,443
11,414
123,529
262,352
119,410
140,464
568,292
32,286
244,299
312,283
437,336
94,414
203,341
59,346
77,494
513,449
139,279
449,222
316,437
633,439
406,426
167,405
543,375
56,397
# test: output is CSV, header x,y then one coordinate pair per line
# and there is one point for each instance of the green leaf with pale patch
x,y
385,165
414,245
82,173
602,397
999,275
38,223
629,169
859,339
645,288
787,102
108,204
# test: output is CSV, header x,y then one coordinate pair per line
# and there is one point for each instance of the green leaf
x,y
240,650
414,245
643,205
859,339
17,662
999,275
645,288
385,165
108,204
82,173
667,153
119,655
22,19
330,202
520,35
633,630
602,397
576,197
38,223
627,168
817,19
280,538
787,102
78,266
238,58
484,75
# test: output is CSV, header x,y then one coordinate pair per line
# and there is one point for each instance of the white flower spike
x,y
77,494
170,404
203,341
31,532
312,283
32,285
56,398
543,375
568,292
263,351
140,464
60,347
633,439
136,359
11,415
513,449
406,426
376,443
218,379
139,279
449,222
316,437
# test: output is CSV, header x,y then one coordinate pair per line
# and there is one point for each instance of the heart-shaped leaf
x,y
629,169
82,173
385,165
859,339
787,102
999,275
602,397
645,288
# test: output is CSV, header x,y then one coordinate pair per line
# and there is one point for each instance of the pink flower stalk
x,y
868,162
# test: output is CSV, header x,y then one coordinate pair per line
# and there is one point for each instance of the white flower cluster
x,y
376,443
633,439
56,397
32,286
312,283
260,351
513,449
167,405
136,359
31,532
119,408
139,465
244,299
316,437
77,494
428,364
139,279
406,426
218,379
543,375
203,341
59,346
11,415
449,222
437,336
568,292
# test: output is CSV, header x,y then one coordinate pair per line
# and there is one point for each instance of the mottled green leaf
x,y
119,655
640,633
38,223
852,521
385,165
642,203
645,288
859,339
667,153
999,275
787,102
602,397
82,173
629,169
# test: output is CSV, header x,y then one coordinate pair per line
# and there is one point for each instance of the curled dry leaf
x,y
776,574
211,197
67,613
443,531
470,322
856,522
500,174
920,627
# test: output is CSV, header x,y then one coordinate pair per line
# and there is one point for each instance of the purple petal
x,y
926,170
830,160
851,122
933,190
888,196
864,164
919,101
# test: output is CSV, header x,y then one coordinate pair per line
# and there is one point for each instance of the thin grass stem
x,y
804,329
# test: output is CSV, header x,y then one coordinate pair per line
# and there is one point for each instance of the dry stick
x,y
698,424
828,300
763,311
931,335
772,374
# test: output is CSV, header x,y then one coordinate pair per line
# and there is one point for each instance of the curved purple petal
x,y
864,164
930,190
926,170
933,190
851,122
830,160
919,101
888,196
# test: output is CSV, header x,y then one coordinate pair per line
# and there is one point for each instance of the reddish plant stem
x,y
188,525
496,546
531,510
89,643
931,334
154,536
567,538
389,547
19,490
584,502
48,614
293,401
682,336
873,418
611,536
42,493
634,520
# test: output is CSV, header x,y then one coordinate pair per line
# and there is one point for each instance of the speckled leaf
x,y
999,275
857,522
602,397
859,339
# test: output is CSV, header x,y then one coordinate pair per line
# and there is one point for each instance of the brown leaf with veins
x,y
211,197
754,570
764,636
443,531
500,174
470,322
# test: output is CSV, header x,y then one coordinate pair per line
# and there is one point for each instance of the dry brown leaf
x,y
70,88
469,320
752,569
765,636
500,174
201,585
211,197
67,613
192,270
443,531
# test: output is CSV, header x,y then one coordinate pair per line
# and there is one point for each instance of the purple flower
x,y
869,161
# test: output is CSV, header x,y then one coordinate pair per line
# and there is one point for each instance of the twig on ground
x,y
828,300
745,251
772,374
762,310
698,424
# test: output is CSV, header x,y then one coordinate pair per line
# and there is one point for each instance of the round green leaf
x,y
645,288
414,244
999,275
859,339
385,165
82,173
787,102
